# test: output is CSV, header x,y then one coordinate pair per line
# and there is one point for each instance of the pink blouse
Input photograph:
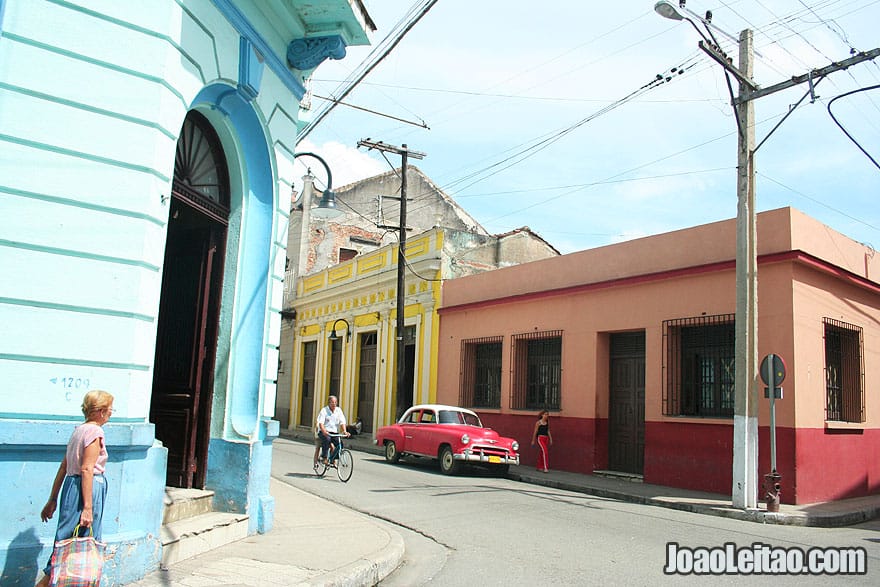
x,y
83,436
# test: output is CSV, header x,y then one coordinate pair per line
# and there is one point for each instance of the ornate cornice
x,y
306,54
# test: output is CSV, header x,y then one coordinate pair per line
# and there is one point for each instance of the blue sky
x,y
544,114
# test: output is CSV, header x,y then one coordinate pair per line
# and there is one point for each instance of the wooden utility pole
x,y
402,401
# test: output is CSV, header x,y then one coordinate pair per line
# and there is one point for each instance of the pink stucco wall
x,y
806,272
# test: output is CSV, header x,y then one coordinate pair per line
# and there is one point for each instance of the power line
x,y
837,122
387,45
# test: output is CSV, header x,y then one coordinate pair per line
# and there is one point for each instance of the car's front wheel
x,y
391,454
448,464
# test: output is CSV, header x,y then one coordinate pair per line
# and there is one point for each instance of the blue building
x,y
146,164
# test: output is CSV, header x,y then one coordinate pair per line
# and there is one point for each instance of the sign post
x,y
772,374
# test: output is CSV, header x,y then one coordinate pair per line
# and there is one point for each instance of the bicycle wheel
x,y
319,468
345,465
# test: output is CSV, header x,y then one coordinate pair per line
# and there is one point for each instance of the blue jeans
x,y
326,441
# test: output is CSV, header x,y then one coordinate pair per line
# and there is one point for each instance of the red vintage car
x,y
454,436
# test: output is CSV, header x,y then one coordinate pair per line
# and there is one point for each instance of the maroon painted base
x,y
815,464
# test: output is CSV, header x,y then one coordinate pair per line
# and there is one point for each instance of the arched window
x,y
200,175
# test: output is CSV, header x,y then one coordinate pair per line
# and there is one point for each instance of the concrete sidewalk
x,y
291,554
369,550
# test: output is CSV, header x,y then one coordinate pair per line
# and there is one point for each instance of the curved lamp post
x,y
327,205
334,336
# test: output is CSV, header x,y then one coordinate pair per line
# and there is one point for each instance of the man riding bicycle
x,y
330,421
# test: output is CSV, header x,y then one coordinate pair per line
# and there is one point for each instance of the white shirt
x,y
331,420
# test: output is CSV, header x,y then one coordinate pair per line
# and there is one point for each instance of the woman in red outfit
x,y
542,436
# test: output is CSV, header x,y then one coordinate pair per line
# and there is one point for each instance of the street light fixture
x,y
334,336
326,209
667,9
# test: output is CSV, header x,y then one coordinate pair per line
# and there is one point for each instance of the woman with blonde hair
x,y
80,476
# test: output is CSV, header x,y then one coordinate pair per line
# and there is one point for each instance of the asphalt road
x,y
481,530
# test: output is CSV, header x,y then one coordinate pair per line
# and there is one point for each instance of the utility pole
x,y
400,349
745,412
745,422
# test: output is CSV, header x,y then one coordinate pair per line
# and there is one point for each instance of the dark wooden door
x,y
189,304
307,397
626,414
367,381
186,342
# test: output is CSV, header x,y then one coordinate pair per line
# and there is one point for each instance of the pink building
x,y
631,348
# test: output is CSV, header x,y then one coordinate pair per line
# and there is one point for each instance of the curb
x,y
367,571
758,516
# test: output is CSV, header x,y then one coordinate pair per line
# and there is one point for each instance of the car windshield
x,y
456,417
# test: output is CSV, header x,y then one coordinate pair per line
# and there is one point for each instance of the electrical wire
x,y
387,45
819,202
538,143
547,141
837,122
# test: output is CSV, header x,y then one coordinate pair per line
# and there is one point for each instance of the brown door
x,y
186,342
307,397
367,381
626,417
189,304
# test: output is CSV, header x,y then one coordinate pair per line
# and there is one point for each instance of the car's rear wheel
x,y
448,464
391,454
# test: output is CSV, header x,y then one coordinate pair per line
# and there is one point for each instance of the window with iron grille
x,y
699,366
537,371
844,372
480,385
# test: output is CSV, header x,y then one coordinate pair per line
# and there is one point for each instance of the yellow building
x,y
342,278
344,335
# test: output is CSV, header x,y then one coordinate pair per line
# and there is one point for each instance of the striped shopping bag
x,y
77,561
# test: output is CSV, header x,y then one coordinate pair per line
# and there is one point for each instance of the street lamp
x,y
745,418
668,10
326,209
333,336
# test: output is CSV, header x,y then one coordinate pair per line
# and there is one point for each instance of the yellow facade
x,y
359,298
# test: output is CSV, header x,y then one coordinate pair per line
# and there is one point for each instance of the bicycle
x,y
339,458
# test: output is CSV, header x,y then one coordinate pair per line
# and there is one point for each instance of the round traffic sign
x,y
772,367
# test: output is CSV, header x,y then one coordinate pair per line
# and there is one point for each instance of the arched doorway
x,y
189,306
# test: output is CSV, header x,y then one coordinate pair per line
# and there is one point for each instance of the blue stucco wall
x,y
239,474
31,452
84,221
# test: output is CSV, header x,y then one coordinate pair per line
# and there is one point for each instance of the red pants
x,y
544,457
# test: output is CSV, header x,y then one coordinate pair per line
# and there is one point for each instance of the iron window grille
x,y
699,366
537,371
480,375
844,372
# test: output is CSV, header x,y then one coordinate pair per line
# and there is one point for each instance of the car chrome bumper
x,y
478,456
